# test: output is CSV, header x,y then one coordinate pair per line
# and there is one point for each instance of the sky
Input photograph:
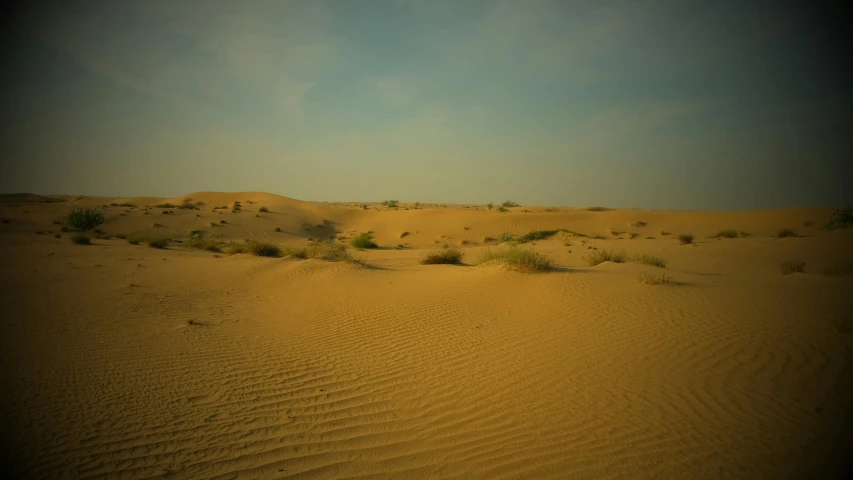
x,y
661,104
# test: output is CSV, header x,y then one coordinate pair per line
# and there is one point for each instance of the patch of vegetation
x,y
596,257
841,218
81,239
664,233
264,249
650,279
786,232
404,234
234,248
649,260
205,244
638,224
504,237
85,219
490,206
365,240
165,205
263,210
792,266
451,256
728,233
509,204
503,210
597,237
685,239
522,260
391,203
537,235
277,229
157,242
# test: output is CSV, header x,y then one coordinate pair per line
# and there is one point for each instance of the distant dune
x,y
126,361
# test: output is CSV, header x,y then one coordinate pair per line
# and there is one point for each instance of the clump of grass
x,y
234,248
85,219
650,279
157,242
841,218
728,233
510,203
522,260
81,239
685,239
792,266
664,233
164,205
597,237
205,244
391,203
263,210
277,229
488,239
264,249
596,257
503,209
333,252
490,206
450,255
649,260
638,224
365,240
786,232
504,237
404,234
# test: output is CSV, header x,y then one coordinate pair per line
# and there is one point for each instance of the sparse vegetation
x,y
841,218
638,224
522,260
263,210
649,260
205,244
504,237
234,248
365,240
786,232
277,229
85,219
450,255
164,205
728,233
503,210
650,279
536,235
664,233
404,234
792,266
81,239
157,242
685,239
509,204
264,249
596,257
391,203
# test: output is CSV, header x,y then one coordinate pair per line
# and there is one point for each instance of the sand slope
x,y
123,361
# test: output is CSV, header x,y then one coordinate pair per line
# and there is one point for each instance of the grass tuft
x,y
685,239
650,279
81,239
85,219
157,242
451,256
786,232
649,260
596,257
365,240
264,249
728,233
526,261
792,266
263,210
841,218
509,204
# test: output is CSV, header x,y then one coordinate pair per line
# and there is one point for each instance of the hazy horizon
x,y
651,104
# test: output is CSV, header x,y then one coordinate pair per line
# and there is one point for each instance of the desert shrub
x,y
85,219
510,203
650,279
596,257
490,206
649,260
685,239
504,237
786,232
404,234
664,233
450,255
157,242
81,239
365,240
841,218
234,248
333,252
264,249
391,203
503,209
518,259
638,224
728,233
792,266
205,244
263,210
164,205
536,235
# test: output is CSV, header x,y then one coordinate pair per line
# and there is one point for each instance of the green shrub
x,y
510,203
391,203
504,237
518,259
841,218
81,239
685,239
85,219
596,257
450,255
365,240
792,266
649,260
263,249
157,242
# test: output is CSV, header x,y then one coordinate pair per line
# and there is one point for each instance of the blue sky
x,y
647,104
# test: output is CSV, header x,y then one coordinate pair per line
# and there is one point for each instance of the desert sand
x,y
125,361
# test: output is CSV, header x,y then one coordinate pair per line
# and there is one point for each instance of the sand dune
x,y
124,361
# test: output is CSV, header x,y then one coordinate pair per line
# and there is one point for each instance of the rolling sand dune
x,y
124,361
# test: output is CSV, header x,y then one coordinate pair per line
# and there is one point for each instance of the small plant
x,y
81,239
786,232
365,240
263,210
792,266
685,239
664,233
728,233
503,210
504,237
204,244
518,259
638,224
537,235
450,255
404,234
391,203
157,242
263,249
661,279
649,260
841,218
164,205
277,229
509,204
364,206
488,239
234,248
490,206
596,257
85,219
